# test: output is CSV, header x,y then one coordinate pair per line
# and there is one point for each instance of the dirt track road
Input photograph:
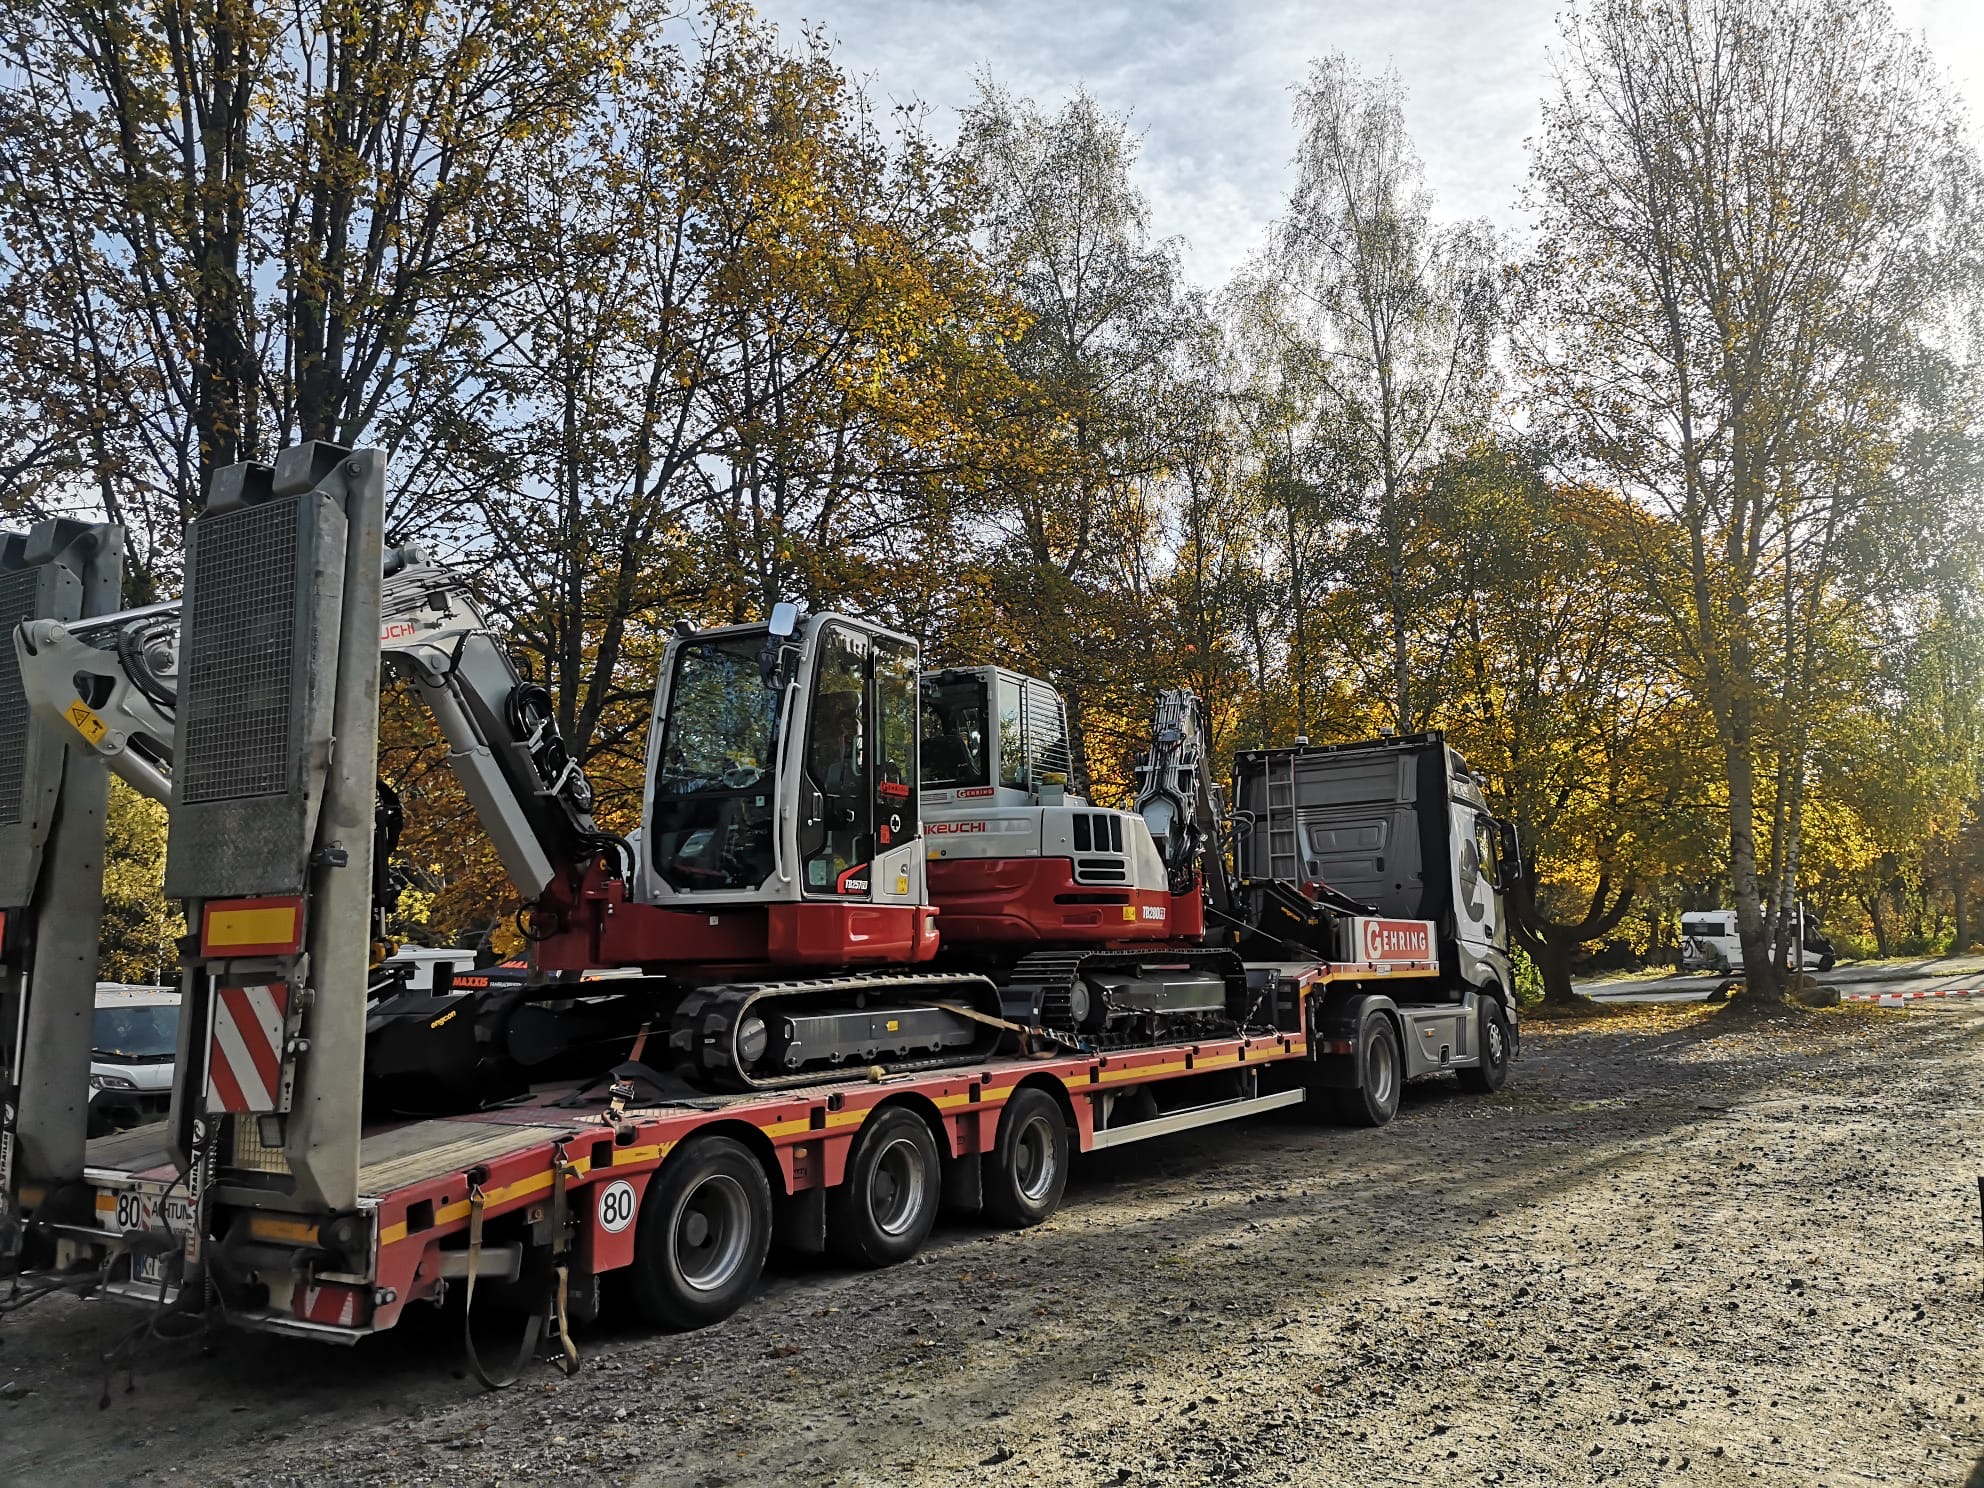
x,y
1674,1251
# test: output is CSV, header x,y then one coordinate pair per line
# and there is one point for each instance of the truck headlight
x,y
111,1082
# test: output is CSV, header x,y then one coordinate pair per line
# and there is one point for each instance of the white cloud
x,y
1208,85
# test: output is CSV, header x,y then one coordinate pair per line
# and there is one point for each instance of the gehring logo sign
x,y
1397,940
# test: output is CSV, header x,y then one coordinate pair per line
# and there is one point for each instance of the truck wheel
x,y
883,1209
1027,1170
705,1226
1375,1101
1493,1072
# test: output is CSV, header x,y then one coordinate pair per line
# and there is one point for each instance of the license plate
x,y
141,1209
150,1269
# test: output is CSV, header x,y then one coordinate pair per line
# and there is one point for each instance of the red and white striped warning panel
x,y
1889,999
244,1062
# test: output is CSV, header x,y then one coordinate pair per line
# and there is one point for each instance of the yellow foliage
x,y
140,925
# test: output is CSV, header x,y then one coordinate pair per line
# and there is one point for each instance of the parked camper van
x,y
1709,942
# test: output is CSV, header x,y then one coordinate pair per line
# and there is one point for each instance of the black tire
x,y
1027,1170
883,1209
1828,962
1375,1100
1493,1072
704,1228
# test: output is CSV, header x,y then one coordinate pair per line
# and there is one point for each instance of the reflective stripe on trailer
x,y
244,1058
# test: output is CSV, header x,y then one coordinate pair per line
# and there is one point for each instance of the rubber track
x,y
704,1035
1055,972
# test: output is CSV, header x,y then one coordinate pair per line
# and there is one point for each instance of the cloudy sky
x,y
1207,84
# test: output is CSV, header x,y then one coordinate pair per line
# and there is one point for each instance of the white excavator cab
x,y
782,766
992,737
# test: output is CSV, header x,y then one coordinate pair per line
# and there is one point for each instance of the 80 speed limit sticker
x,y
616,1206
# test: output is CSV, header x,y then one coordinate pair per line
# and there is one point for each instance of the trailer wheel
x,y
1375,1100
883,1209
1493,1072
705,1226
1027,1170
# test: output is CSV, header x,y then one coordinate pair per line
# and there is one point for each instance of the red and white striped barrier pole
x,y
1895,999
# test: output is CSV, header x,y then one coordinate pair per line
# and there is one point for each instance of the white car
x,y
134,1042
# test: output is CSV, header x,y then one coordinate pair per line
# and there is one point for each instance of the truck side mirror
x,y
785,618
1509,855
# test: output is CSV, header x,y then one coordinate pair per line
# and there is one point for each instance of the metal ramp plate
x,y
138,1150
433,1149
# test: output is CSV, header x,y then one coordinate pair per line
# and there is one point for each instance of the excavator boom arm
x,y
1178,800
113,680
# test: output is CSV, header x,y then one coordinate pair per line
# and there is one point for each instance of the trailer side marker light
x,y
288,1231
252,927
1339,1046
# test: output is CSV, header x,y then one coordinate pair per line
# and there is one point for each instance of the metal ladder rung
x,y
1284,844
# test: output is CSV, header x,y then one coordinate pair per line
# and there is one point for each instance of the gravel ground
x,y
1684,1246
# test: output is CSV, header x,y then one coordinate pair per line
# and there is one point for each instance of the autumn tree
x,y
744,358
1755,219
1553,685
1089,428
227,227
1226,606
1389,317
736,367
138,938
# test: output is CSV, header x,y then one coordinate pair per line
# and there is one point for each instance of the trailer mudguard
x,y
1336,1020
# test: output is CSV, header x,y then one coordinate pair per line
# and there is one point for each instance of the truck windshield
x,y
146,1032
953,731
714,785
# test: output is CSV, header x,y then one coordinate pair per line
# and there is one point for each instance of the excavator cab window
x,y
1033,734
953,746
838,838
714,802
1013,757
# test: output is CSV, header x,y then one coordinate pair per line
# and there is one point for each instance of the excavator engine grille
x,y
235,678
18,593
